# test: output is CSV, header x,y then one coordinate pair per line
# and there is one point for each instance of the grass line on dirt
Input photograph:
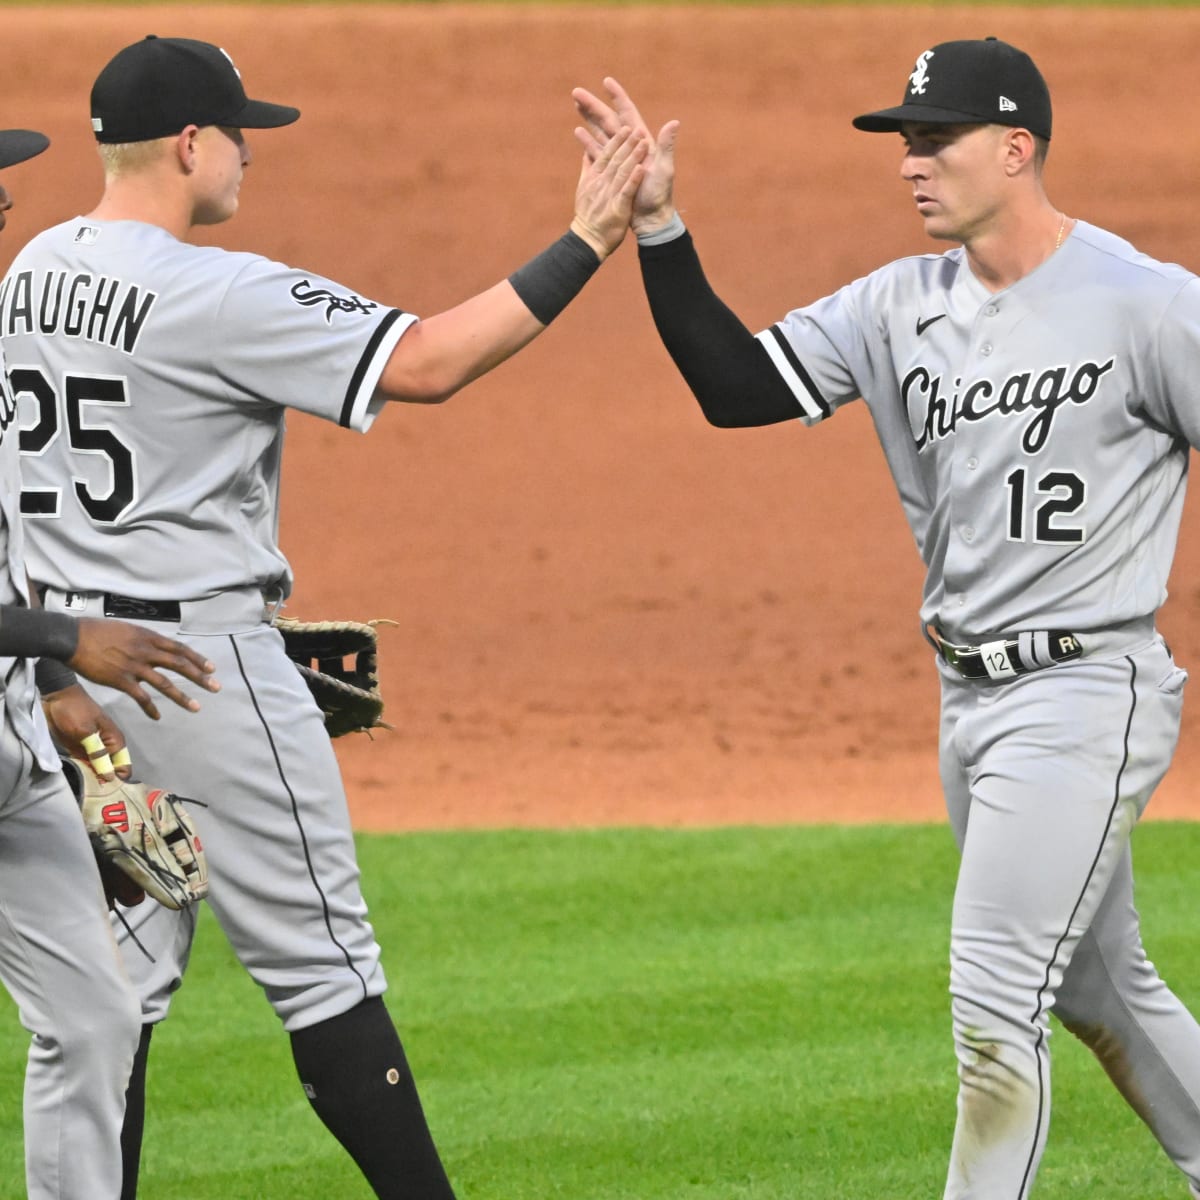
x,y
757,1013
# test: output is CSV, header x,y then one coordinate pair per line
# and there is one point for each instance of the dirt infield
x,y
609,612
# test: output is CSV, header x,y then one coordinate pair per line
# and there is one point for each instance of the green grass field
x,y
743,1013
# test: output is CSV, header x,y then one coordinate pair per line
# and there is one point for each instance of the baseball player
x,y
154,377
1033,389
58,959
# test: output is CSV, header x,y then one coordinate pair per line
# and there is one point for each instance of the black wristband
x,y
36,633
549,282
52,676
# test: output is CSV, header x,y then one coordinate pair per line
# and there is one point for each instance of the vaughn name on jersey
x,y
76,304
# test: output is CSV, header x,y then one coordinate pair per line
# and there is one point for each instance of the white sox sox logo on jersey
x,y
920,77
304,293
1019,393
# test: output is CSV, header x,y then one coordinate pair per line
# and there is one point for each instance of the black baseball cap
x,y
973,82
157,86
16,145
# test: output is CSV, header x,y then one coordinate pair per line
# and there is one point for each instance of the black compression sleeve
x,y
35,633
723,363
52,676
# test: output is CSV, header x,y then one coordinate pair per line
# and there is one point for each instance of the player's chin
x,y
215,214
940,229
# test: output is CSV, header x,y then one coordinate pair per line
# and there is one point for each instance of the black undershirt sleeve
x,y
36,633
724,364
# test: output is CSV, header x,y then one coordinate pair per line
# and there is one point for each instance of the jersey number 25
x,y
82,438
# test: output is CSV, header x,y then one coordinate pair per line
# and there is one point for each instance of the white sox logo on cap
x,y
920,77
984,81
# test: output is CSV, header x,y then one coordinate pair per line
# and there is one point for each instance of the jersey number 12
x,y
1065,493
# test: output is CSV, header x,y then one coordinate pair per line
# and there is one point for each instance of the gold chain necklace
x,y
1062,225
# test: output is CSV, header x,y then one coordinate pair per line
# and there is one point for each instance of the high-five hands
x,y
609,178
653,204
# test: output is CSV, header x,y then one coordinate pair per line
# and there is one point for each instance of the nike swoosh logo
x,y
924,325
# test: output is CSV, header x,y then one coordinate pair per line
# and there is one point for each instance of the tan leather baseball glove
x,y
144,839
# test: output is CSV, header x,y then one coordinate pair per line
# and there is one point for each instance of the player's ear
x,y
185,147
1020,150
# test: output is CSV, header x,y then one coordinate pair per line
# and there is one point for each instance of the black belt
x,y
129,608
1006,657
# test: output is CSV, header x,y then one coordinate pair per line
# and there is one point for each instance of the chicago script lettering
x,y
935,415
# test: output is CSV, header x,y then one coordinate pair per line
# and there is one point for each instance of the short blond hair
x,y
126,158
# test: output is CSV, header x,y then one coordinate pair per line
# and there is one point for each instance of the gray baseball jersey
x,y
1037,437
58,960
1039,441
153,378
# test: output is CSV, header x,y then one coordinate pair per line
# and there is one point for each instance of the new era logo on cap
x,y
966,83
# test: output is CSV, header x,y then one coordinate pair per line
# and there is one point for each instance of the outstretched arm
x,y
728,370
725,365
438,356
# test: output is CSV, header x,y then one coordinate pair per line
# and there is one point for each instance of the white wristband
x,y
668,233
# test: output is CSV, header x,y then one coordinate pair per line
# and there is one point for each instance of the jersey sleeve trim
x,y
791,369
358,411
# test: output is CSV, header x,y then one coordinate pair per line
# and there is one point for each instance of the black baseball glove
x,y
338,660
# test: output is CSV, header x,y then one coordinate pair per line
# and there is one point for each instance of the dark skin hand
x,y
126,657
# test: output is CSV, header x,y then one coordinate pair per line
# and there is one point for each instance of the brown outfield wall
x,y
609,612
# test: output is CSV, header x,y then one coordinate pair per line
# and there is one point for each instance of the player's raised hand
x,y
654,204
120,655
608,182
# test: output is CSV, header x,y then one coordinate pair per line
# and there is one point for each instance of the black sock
x,y
135,1118
359,1083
